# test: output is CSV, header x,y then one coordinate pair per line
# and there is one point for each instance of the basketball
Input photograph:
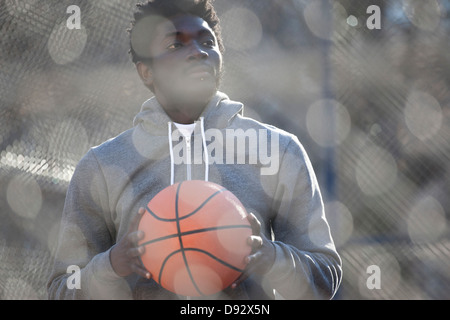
x,y
195,238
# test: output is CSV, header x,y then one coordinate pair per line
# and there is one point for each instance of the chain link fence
x,y
363,84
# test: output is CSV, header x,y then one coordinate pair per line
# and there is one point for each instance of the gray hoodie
x,y
265,167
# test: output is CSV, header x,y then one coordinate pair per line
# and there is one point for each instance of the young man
x,y
190,130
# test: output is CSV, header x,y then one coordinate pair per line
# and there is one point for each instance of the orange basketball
x,y
195,238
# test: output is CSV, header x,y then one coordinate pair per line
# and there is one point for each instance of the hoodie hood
x,y
218,113
153,120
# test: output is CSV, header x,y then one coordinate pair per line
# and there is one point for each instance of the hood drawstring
x,y
205,151
172,163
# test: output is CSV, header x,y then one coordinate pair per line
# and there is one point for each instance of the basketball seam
x,y
181,241
190,232
215,258
188,215
226,264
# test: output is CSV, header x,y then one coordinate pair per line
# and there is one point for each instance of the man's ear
x,y
145,73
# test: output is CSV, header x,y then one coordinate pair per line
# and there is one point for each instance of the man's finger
x,y
239,280
140,270
251,261
134,224
135,237
135,252
254,223
255,242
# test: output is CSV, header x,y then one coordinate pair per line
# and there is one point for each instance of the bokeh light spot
x,y
423,115
66,45
242,29
322,24
352,21
341,222
142,33
24,196
425,15
426,220
376,170
318,123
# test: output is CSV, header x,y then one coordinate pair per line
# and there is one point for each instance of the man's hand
x,y
125,254
262,256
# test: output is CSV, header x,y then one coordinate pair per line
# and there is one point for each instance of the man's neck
x,y
182,110
183,116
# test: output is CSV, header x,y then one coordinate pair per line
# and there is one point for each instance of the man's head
x,y
177,48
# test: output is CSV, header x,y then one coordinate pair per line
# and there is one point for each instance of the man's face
x,y
186,62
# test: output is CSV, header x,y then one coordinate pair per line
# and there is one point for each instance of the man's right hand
x,y
125,254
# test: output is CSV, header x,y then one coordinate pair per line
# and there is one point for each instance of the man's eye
x,y
174,46
209,43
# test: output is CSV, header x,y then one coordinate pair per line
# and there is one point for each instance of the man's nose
x,y
197,52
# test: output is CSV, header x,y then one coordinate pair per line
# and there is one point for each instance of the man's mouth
x,y
201,72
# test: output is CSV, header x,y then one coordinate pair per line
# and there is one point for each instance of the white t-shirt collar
x,y
185,129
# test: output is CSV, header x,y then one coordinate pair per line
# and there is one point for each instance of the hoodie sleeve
x,y
85,239
307,264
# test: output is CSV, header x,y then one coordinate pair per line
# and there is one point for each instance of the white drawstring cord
x,y
202,127
172,164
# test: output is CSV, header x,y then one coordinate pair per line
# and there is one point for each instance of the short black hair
x,y
152,12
